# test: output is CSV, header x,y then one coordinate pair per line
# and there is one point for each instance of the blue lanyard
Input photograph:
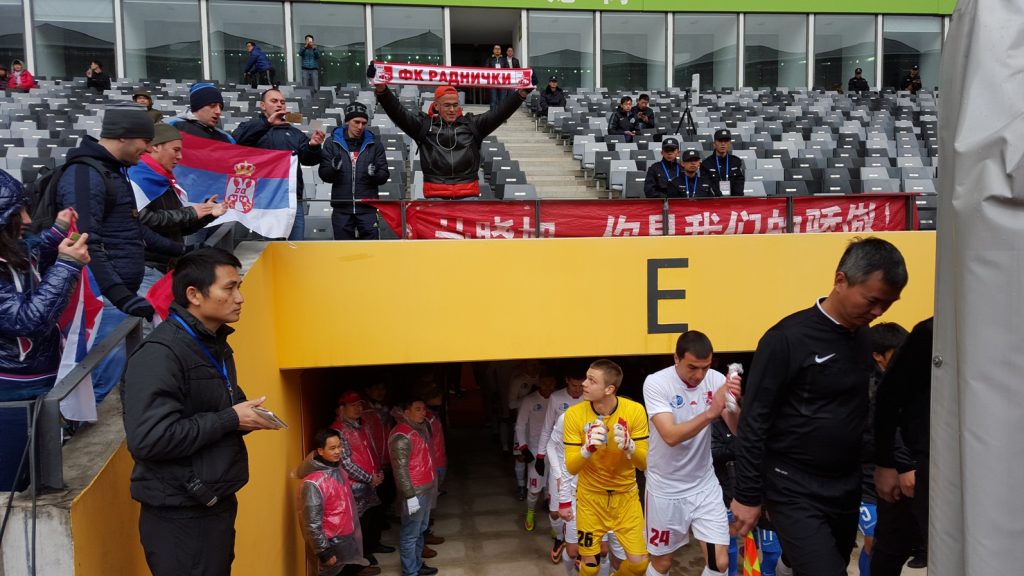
x,y
223,365
686,185
718,165
667,177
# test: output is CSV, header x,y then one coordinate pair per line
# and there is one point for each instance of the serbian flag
x,y
751,564
259,186
78,324
150,180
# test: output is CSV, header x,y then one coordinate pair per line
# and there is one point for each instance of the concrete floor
x,y
483,522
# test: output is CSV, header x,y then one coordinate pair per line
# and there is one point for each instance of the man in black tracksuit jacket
x,y
355,164
904,403
184,420
805,406
270,131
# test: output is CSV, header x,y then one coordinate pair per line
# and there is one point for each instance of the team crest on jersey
x,y
709,399
537,407
677,401
565,405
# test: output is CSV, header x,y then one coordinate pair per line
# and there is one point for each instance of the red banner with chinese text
x,y
601,218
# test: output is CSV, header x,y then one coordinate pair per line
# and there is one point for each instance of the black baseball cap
x,y
690,155
670,144
914,67
723,134
858,71
553,79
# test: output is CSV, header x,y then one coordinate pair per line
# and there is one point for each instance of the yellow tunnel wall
x,y
327,304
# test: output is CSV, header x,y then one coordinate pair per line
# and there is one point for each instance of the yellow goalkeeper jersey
x,y
607,469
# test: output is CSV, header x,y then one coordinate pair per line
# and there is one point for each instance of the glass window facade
x,y
632,51
562,44
403,34
69,34
340,33
705,44
841,45
232,24
12,31
776,50
161,39
910,40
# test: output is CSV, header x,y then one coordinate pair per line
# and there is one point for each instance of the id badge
x,y
726,187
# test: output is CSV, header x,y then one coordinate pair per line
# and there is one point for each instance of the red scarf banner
x,y
461,76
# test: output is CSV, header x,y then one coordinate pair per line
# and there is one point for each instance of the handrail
x,y
46,462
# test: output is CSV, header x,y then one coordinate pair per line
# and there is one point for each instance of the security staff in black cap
x,y
725,169
697,182
552,95
858,83
664,178
912,81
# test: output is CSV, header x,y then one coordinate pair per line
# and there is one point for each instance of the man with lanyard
x,y
663,178
696,182
185,420
725,169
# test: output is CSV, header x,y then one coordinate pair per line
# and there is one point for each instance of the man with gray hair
x,y
805,407
94,183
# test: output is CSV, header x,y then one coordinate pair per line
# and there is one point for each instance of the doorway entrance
x,y
475,31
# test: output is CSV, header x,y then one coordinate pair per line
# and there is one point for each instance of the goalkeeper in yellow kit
x,y
605,444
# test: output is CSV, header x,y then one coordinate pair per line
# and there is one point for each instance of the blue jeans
x,y
311,78
108,372
299,227
410,537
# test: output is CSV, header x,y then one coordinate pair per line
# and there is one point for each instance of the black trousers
x,y
372,524
345,225
815,518
194,541
902,527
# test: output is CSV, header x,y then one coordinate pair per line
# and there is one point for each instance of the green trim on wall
x,y
791,6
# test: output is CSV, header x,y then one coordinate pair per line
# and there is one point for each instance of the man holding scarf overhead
x,y
449,140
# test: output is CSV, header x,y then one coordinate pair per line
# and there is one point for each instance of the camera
x,y
201,492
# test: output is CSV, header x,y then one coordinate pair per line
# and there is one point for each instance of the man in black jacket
x,y
96,78
95,185
664,179
552,95
858,83
271,131
804,410
904,404
449,141
184,420
725,169
621,121
355,164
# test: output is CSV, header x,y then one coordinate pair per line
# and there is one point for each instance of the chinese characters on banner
x,y
589,219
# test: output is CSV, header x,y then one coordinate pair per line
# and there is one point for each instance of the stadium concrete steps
x,y
547,164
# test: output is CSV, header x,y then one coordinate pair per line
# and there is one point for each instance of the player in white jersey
x,y
682,490
559,402
529,431
523,381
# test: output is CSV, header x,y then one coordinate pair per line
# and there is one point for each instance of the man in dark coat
x,y
355,164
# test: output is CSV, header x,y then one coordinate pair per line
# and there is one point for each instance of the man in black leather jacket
x,y
449,141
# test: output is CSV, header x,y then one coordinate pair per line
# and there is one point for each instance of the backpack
x,y
43,204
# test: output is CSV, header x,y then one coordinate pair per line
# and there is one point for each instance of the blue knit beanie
x,y
202,94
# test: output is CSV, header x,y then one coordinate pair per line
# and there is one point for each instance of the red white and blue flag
x,y
79,324
259,186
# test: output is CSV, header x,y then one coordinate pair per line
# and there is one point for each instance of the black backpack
x,y
43,204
